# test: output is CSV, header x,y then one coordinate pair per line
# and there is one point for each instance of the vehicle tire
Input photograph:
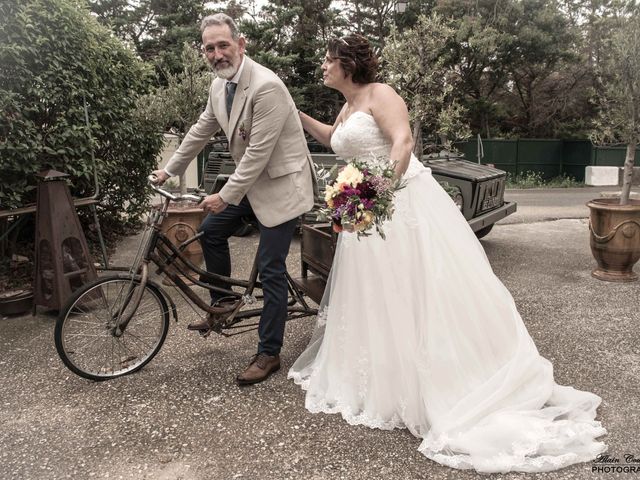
x,y
85,330
483,232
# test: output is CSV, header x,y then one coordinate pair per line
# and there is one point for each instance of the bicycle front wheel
x,y
91,339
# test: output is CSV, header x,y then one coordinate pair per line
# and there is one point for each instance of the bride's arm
x,y
391,115
318,130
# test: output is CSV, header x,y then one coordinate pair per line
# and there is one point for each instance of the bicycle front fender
x,y
167,297
156,286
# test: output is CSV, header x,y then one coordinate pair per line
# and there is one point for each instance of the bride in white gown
x,y
416,331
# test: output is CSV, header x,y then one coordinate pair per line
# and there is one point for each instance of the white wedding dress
x,y
417,332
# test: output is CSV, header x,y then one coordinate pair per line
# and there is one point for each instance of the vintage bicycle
x,y
115,325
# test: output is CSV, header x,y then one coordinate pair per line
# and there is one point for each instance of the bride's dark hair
x,y
355,56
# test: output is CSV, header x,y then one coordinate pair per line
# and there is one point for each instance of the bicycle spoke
x,y
119,301
83,347
126,355
144,304
139,339
86,322
75,335
80,312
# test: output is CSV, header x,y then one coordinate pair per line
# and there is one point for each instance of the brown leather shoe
x,y
261,366
211,322
215,321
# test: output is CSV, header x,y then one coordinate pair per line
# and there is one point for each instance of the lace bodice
x,y
359,137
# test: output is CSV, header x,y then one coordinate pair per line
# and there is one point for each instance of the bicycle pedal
x,y
205,333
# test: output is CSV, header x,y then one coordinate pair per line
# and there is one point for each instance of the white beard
x,y
226,73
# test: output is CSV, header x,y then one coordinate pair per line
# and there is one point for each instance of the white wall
x,y
170,146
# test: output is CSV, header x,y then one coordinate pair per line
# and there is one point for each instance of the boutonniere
x,y
242,131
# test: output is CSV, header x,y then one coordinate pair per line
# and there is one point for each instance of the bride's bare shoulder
x,y
382,94
382,90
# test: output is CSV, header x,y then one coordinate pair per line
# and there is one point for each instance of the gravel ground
x,y
183,417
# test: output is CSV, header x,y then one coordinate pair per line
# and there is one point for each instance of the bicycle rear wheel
x,y
86,334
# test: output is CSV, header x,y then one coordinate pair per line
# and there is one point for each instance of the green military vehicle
x,y
477,190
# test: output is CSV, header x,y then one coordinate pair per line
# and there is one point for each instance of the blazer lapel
x,y
218,96
241,97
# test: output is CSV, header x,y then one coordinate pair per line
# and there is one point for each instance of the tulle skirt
x,y
417,332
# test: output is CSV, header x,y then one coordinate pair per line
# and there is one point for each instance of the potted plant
x,y
615,224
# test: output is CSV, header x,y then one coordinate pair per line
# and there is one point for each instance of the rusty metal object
x,y
317,248
63,262
181,223
615,238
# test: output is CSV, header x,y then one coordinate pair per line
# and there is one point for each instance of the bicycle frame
x,y
171,262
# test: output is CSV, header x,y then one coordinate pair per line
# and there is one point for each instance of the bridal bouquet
x,y
361,197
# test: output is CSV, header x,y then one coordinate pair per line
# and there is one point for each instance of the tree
x,y
418,66
54,55
178,105
413,10
129,20
539,55
290,37
156,29
175,22
594,20
474,58
521,67
371,18
236,9
619,100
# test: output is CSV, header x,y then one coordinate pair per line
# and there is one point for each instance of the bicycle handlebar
x,y
198,197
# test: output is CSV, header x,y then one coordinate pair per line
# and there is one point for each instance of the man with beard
x,y
273,180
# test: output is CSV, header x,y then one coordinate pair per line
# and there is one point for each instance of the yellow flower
x,y
360,226
350,175
365,219
329,193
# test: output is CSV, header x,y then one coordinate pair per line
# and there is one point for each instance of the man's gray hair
x,y
220,19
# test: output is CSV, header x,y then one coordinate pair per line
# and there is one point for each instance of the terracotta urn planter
x,y
615,238
182,223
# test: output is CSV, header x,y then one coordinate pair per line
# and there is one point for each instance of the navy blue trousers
x,y
272,254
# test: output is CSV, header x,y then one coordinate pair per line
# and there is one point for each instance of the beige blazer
x,y
266,140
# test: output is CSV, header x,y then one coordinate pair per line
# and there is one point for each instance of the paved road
x,y
183,417
544,204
